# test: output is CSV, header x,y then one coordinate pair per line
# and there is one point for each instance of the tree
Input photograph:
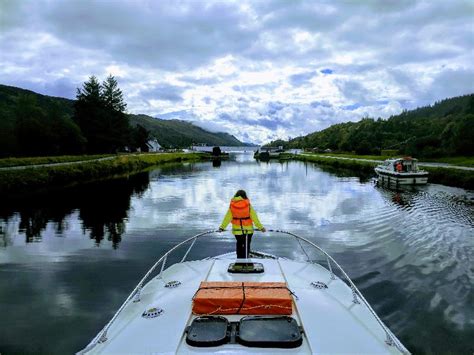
x,y
464,135
99,112
88,111
118,130
30,132
140,137
112,95
90,91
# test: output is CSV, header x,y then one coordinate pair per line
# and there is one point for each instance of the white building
x,y
153,145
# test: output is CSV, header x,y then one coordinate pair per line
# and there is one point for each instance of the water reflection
x,y
409,250
102,210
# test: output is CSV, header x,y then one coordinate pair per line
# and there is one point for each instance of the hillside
x,y
174,133
445,128
182,133
10,98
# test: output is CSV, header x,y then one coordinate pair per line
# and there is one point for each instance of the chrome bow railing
x,y
390,340
135,294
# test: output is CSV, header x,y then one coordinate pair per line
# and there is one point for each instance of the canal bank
x,y
29,177
445,175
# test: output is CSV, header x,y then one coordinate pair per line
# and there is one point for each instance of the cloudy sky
x,y
257,69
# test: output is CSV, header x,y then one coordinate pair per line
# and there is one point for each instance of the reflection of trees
x,y
5,239
35,213
103,207
32,223
103,215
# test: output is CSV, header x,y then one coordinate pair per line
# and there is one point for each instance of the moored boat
x,y
266,153
403,171
263,304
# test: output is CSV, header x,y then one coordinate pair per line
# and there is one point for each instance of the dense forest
x,y
443,129
33,125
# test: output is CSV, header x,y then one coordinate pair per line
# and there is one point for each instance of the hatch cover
x,y
269,332
250,331
245,268
208,331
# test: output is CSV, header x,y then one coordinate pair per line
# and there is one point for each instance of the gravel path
x,y
21,167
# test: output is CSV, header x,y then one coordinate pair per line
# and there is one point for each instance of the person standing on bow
x,y
243,218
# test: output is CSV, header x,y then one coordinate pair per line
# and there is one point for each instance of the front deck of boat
x,y
331,321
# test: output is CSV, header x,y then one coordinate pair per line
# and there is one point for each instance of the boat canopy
x,y
409,164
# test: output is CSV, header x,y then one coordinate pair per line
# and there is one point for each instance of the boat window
x,y
269,332
245,268
208,331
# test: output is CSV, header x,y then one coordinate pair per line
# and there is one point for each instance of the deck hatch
x,y
208,331
245,268
269,332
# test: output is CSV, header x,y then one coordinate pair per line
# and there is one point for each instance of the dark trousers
x,y
240,245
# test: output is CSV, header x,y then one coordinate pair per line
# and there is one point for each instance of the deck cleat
x,y
319,285
152,313
172,284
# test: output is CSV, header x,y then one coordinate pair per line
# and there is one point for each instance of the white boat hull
x,y
391,177
331,321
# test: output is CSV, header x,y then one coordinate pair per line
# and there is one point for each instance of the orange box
x,y
242,298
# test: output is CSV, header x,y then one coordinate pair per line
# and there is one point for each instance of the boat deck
x,y
332,323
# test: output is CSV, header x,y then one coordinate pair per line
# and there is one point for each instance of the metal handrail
x,y
391,340
102,336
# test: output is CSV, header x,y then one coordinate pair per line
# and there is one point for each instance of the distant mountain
x,y
174,133
442,129
182,133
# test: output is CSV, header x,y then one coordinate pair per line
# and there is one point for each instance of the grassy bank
x,y
445,176
10,162
30,178
460,161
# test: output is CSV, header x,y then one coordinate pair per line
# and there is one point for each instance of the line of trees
x,y
443,129
99,111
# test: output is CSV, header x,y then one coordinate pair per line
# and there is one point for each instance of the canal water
x,y
69,257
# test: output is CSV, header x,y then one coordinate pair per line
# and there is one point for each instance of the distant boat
x,y
403,171
266,153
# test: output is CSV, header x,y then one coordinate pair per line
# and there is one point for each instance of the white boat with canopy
x,y
403,171
264,304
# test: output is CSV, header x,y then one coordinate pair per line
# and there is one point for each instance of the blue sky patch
x,y
315,104
352,107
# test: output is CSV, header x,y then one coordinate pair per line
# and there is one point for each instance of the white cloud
x,y
259,70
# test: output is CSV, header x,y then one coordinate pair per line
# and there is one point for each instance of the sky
x,y
259,70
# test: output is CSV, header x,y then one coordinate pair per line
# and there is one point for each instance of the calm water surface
x,y
69,258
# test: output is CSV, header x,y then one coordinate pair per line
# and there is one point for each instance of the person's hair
x,y
241,193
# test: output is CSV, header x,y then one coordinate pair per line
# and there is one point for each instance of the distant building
x,y
153,145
